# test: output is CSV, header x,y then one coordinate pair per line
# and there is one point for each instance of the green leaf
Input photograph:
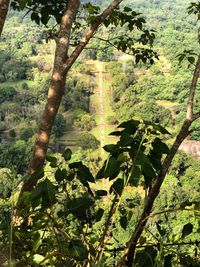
x,y
160,129
37,175
117,186
101,172
116,133
146,257
160,229
111,148
86,184
75,165
44,193
159,147
51,159
191,60
67,154
135,175
125,139
127,9
84,173
70,176
37,242
79,206
187,230
112,168
149,174
37,258
131,126
123,221
99,214
101,193
77,250
60,175
35,17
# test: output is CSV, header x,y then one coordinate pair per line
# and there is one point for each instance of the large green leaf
x,y
67,154
60,175
160,129
125,139
187,230
149,173
159,147
99,214
111,148
145,257
135,175
77,250
123,221
112,168
84,173
79,206
131,126
117,186
101,193
44,193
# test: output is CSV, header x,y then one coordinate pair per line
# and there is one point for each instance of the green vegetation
x,y
85,205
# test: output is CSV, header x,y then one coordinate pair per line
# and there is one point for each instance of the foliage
x,y
26,133
65,200
88,141
15,155
7,94
59,125
65,216
72,217
85,122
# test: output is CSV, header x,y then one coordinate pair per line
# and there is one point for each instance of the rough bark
x,y
4,5
62,65
183,133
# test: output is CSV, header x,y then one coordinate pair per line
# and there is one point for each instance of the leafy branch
x,y
154,191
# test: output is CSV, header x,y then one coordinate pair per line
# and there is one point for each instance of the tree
x,y
66,16
4,5
85,122
88,141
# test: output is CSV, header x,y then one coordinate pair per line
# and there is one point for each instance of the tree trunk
x,y
4,5
62,65
55,92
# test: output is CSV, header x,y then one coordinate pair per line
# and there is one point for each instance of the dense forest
x,y
96,197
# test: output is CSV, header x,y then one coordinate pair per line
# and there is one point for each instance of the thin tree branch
x,y
90,32
192,90
106,228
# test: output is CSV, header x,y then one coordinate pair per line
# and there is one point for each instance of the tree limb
x,y
192,90
90,32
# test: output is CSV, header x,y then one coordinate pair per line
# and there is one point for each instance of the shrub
x,y
88,141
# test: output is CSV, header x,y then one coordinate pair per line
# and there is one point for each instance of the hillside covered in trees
x,y
96,199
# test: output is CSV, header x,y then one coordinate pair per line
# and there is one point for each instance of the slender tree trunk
x,y
4,5
62,65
